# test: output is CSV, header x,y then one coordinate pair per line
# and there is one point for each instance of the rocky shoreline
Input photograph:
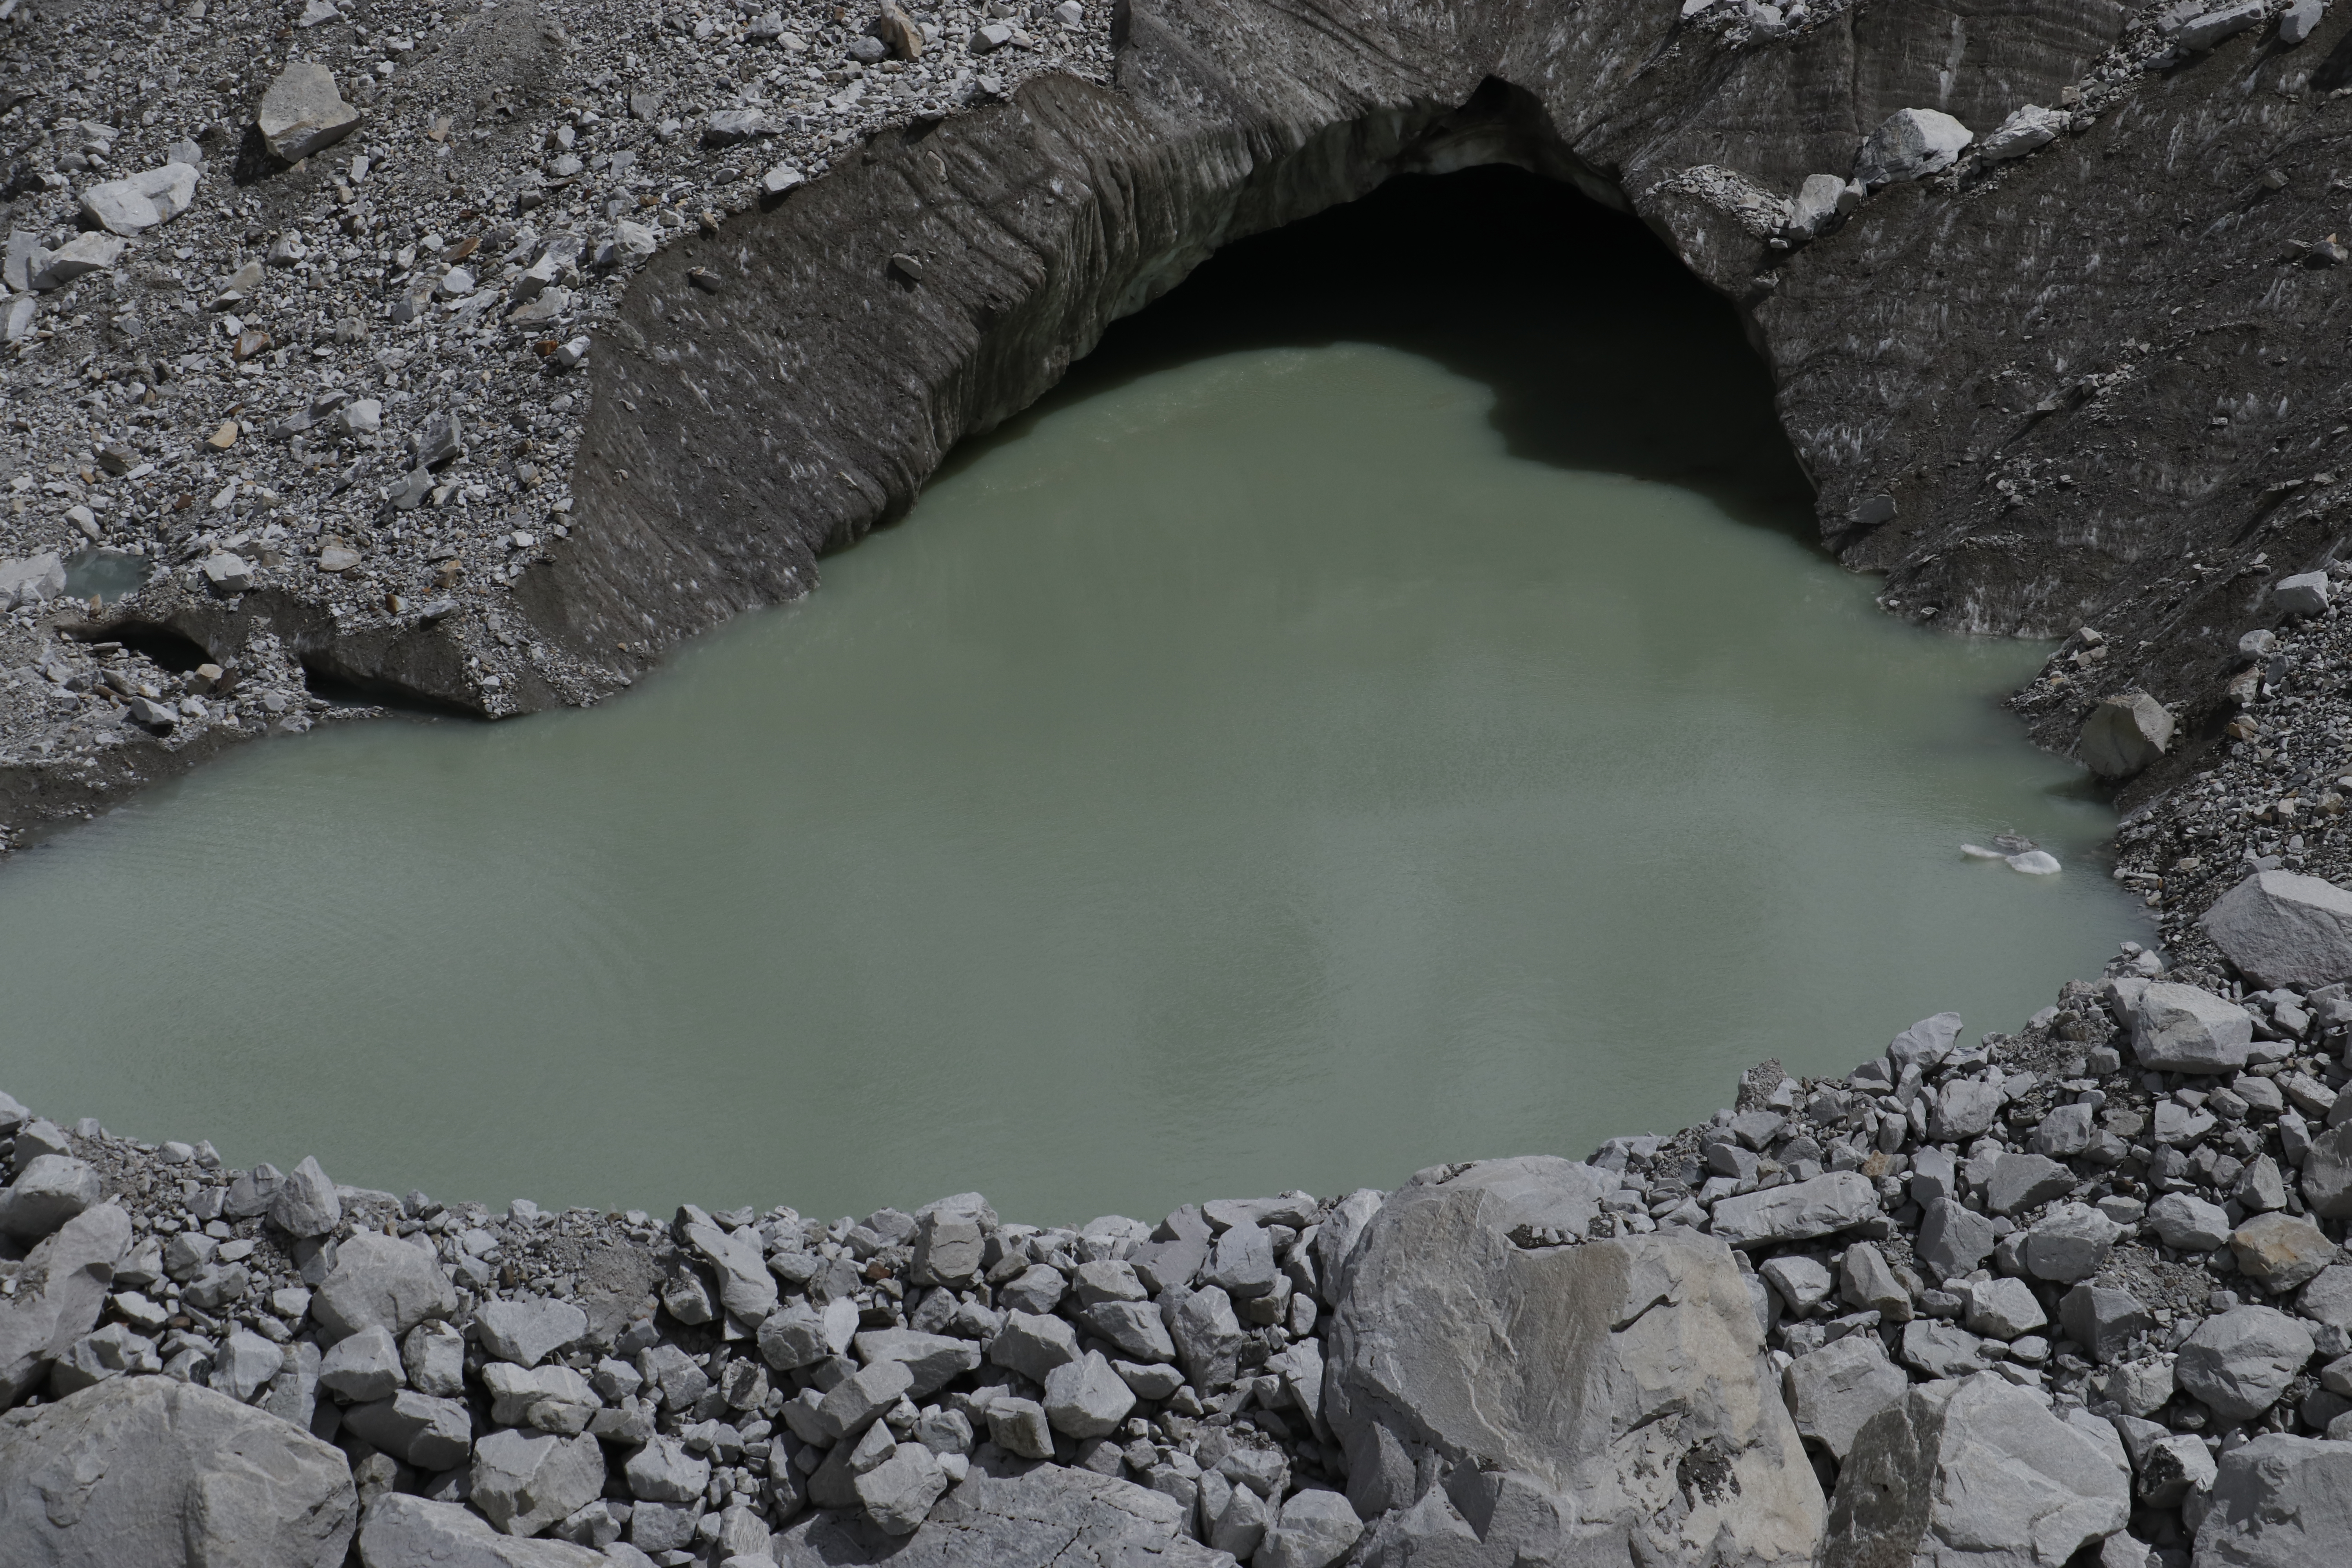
x,y
2077,1294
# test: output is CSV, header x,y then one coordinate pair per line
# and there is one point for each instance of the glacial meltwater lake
x,y
1338,733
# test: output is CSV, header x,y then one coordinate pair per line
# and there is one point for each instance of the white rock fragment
x,y
136,205
303,112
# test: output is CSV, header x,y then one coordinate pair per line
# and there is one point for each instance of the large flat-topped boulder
x,y
2280,1502
158,1473
2281,929
1620,1379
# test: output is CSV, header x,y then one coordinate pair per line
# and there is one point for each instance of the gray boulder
x,y
1086,1398
2025,131
1834,1391
50,1190
417,1429
1796,1211
2327,1174
1048,1518
1953,1239
362,1367
2278,1502
2070,1243
60,1290
1974,1474
528,1329
2189,1224
1450,1341
2281,1251
305,1204
2240,1362
404,1531
1909,145
2178,1028
525,1481
153,1472
1207,1336
897,1493
2025,1181
303,112
381,1282
1034,1344
2282,929
2124,734
931,1359
1314,1530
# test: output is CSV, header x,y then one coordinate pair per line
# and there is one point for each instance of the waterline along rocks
x,y
1995,1300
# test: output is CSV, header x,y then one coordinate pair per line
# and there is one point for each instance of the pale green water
x,y
1246,777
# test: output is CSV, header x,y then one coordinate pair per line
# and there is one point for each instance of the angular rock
x,y
1067,1518
2025,131
404,1531
140,203
2279,928
2204,29
77,258
381,1282
1952,1239
2281,1251
48,1191
2189,1224
525,1481
2103,1321
363,1366
2178,1028
1448,1338
798,1335
433,1357
2004,1310
1833,1391
2278,1502
852,1404
746,1289
246,1363
1136,1328
1086,1398
663,1471
1797,1211
303,112
897,1493
61,1288
150,1470
1020,1426
1909,145
1315,1529
1942,1349
2025,1181
417,1429
931,1359
2327,1174
2240,1361
1974,1472
529,1329
2124,734
1034,1344
1207,1336
948,1243
2070,1243
305,1204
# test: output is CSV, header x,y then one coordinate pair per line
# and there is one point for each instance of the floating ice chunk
x,y
1979,852
2035,863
